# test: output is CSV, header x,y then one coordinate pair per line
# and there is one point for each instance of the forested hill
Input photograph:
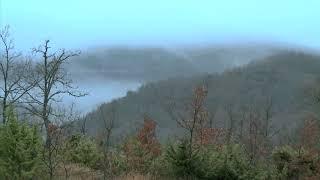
x,y
283,78
150,64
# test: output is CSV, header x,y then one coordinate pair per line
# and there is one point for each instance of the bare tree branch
x,y
14,74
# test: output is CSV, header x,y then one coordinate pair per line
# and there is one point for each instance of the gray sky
x,y
84,24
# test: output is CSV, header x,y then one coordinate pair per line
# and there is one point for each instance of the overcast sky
x,y
88,23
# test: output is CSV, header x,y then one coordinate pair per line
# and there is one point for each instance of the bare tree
x,y
49,154
60,131
231,113
66,122
243,119
83,126
193,117
253,133
13,74
108,118
52,83
267,114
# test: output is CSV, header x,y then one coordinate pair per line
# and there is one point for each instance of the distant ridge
x,y
284,76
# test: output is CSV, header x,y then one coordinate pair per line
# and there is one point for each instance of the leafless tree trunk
x,y
52,83
60,130
13,74
243,120
254,132
83,128
268,113
211,117
50,153
230,110
269,129
108,118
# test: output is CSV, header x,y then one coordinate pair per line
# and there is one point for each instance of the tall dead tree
x,y
52,83
13,73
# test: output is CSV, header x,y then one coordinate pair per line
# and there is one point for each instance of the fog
x,y
85,24
99,92
174,30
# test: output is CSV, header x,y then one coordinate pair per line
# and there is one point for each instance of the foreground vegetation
x,y
202,153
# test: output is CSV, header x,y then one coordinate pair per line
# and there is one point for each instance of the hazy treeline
x,y
150,64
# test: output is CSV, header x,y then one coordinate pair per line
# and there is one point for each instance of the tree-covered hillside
x,y
281,80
